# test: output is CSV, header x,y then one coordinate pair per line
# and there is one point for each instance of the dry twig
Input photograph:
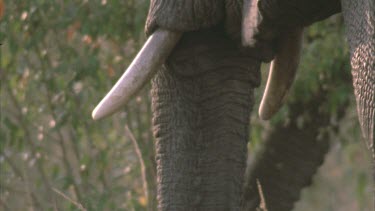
x,y
262,204
140,157
77,204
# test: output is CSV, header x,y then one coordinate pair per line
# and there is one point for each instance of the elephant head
x,y
204,80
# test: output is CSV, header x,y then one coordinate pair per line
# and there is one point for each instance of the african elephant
x,y
210,53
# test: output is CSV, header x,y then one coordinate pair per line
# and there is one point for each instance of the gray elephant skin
x,y
202,96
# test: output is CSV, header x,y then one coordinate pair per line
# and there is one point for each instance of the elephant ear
x,y
287,44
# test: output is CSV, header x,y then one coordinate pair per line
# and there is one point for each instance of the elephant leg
x,y
201,101
359,17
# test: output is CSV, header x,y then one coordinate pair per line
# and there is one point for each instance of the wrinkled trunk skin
x,y
359,17
284,167
201,101
291,155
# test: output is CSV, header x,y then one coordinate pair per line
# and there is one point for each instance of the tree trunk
x,y
201,100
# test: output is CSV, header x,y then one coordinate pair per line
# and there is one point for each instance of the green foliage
x,y
58,58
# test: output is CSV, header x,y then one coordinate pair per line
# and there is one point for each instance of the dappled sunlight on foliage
x,y
58,59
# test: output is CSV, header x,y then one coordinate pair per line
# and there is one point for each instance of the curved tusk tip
x,y
109,105
265,115
103,109
96,115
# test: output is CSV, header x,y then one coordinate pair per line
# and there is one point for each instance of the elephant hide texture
x,y
193,15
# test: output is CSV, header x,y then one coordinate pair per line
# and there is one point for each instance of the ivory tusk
x,y
152,55
282,72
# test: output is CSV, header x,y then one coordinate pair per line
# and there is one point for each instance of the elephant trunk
x,y
359,17
285,165
201,101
